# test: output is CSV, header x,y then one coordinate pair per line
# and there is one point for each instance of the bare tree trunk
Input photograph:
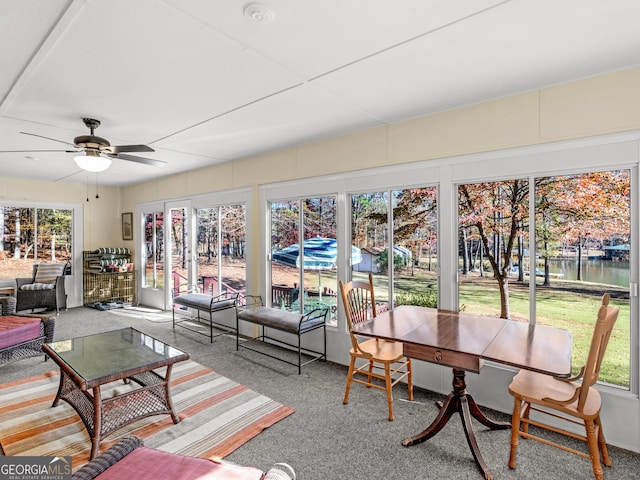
x,y
16,248
465,251
185,247
520,259
546,281
505,307
2,229
579,277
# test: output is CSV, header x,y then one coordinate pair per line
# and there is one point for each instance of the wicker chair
x,y
31,348
51,299
123,447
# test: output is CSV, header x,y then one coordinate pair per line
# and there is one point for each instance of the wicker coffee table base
x,y
103,416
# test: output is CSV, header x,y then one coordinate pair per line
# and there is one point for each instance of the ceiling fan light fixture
x,y
92,162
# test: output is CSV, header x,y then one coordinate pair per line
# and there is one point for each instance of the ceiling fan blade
x,y
128,148
132,158
48,138
34,151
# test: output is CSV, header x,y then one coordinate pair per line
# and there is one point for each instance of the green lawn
x,y
569,305
572,307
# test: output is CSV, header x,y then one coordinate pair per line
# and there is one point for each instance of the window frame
x,y
610,152
219,231
566,158
225,198
73,282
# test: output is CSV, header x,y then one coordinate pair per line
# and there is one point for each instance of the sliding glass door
x,y
166,253
179,244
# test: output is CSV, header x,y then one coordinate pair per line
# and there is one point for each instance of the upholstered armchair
x,y
44,290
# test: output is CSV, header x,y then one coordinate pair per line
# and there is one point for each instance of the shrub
x,y
421,299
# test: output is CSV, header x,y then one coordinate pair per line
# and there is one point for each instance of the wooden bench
x,y
285,321
207,304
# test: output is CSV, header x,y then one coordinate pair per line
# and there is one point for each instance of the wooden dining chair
x,y
384,360
570,400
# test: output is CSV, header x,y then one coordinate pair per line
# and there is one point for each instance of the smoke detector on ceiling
x,y
258,13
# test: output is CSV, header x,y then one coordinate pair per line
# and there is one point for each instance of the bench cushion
x,y
279,319
150,464
16,330
203,302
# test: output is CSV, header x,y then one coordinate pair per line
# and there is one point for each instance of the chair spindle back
x,y
359,303
607,317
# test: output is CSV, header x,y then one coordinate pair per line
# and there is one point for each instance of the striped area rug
x,y
216,414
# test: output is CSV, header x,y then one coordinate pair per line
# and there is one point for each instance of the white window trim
x,y
621,151
73,283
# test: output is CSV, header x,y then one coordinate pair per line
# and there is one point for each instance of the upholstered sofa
x,y
45,289
22,336
129,458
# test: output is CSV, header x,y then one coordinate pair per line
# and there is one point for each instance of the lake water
x,y
607,272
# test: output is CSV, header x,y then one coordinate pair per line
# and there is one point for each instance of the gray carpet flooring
x,y
326,440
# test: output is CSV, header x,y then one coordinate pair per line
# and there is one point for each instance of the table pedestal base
x,y
463,403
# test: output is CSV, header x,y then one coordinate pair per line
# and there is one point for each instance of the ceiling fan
x,y
97,150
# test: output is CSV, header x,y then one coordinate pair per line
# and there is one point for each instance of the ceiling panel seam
x,y
235,109
66,18
409,40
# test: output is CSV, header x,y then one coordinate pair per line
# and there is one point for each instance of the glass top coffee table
x,y
88,362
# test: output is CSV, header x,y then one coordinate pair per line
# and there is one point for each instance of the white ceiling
x,y
201,83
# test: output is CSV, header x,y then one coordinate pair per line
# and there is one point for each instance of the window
x,y
493,226
154,246
370,235
583,236
581,250
220,247
178,244
415,251
304,255
407,271
36,235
